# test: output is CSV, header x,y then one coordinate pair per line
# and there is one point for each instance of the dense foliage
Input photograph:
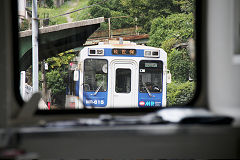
x,y
147,10
49,3
178,26
186,6
56,82
58,73
113,9
180,93
179,63
143,10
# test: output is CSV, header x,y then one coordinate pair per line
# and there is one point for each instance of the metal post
x,y
109,27
22,84
44,83
34,46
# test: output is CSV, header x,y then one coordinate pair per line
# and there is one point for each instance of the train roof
x,y
126,44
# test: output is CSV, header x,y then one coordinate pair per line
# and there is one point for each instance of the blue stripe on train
x,y
77,85
145,101
100,100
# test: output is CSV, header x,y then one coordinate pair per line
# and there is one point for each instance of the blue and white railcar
x,y
123,75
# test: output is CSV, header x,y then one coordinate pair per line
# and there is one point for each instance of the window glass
x,y
95,75
69,31
150,76
123,80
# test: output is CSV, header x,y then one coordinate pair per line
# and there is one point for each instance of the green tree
x,y
166,33
114,5
125,22
111,9
61,61
168,44
177,26
99,11
179,63
56,82
144,10
186,6
147,10
49,3
58,72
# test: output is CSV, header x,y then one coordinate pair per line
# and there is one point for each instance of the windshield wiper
x,y
149,93
95,93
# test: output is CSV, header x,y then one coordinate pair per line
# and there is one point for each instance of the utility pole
x,y
34,46
109,27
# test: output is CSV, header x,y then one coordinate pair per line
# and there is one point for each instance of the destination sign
x,y
118,51
152,65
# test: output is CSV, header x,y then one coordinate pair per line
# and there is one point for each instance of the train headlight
x,y
147,53
96,52
92,52
155,54
100,51
151,53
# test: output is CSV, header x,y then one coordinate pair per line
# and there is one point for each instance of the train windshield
x,y
95,75
150,76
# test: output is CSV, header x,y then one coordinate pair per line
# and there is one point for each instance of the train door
x,y
124,83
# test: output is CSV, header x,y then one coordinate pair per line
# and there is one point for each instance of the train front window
x,y
95,75
150,76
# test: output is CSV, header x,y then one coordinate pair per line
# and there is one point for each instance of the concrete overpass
x,y
56,39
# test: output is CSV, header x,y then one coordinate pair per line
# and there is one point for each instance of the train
x,y
119,74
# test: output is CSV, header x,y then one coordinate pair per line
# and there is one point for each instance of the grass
x,y
51,12
83,14
66,7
